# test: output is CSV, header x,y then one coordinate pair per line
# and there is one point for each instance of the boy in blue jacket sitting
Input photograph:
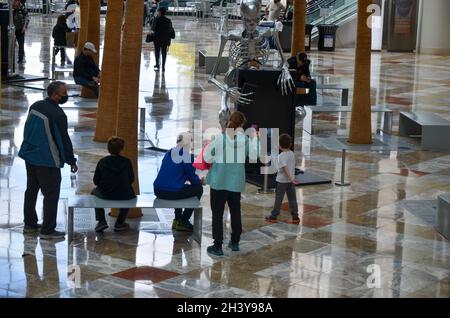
x,y
170,184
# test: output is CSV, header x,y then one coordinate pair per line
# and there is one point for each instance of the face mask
x,y
63,99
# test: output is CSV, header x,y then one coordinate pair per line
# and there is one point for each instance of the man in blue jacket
x,y
46,147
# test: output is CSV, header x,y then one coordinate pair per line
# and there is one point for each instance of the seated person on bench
x,y
85,71
176,169
300,63
114,179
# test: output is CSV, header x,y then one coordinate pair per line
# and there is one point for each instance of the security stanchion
x,y
342,183
265,188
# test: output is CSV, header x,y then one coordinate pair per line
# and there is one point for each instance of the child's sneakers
x,y
234,246
121,227
295,220
101,226
185,227
271,219
214,250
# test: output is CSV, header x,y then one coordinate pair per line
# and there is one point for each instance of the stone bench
x,y
443,215
93,104
141,201
344,91
310,110
433,129
208,60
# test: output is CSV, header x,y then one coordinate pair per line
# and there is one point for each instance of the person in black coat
x,y
59,38
163,31
300,63
114,179
85,71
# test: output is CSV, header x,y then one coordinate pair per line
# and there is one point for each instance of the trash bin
x,y
308,30
327,37
286,36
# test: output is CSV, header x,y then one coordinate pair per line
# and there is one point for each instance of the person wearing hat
x,y
85,72
300,63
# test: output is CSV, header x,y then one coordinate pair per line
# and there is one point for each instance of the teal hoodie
x,y
227,156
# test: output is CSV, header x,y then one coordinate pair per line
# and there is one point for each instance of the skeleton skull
x,y
250,11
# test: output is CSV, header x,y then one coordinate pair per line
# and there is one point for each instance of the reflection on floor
x,y
385,217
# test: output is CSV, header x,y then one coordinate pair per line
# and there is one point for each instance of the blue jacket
x,y
46,142
173,174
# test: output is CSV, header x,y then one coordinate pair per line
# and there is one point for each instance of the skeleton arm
x,y
232,92
285,80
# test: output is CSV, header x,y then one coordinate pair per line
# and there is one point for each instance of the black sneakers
x,y
32,229
101,226
121,227
217,251
52,236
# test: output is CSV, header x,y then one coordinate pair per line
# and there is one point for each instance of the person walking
x,y
45,148
59,38
162,33
21,21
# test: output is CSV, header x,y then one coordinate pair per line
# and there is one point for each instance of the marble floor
x,y
382,223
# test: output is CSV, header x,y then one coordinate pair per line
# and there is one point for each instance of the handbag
x,y
199,161
149,37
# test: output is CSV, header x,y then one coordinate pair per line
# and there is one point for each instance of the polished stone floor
x,y
385,217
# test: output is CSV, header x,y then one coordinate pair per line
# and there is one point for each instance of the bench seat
x,y
433,129
443,215
208,60
310,110
141,201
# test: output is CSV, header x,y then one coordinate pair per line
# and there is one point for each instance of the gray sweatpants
x,y
289,189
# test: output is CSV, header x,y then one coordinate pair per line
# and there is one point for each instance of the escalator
x,y
338,12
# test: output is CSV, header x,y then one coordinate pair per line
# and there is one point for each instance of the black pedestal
x,y
269,108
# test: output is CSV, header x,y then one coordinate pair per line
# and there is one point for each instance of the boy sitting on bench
x,y
114,179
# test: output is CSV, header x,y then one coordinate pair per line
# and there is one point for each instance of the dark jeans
x,y
20,37
48,180
100,213
289,189
92,85
56,50
161,47
187,192
218,200
311,97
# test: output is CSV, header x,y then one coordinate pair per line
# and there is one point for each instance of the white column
x,y
434,27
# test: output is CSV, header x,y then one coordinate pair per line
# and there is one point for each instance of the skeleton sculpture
x,y
248,49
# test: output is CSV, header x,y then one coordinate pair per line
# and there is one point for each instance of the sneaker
x,y
271,218
27,229
101,226
217,251
121,227
295,220
156,67
186,227
174,224
234,246
52,236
